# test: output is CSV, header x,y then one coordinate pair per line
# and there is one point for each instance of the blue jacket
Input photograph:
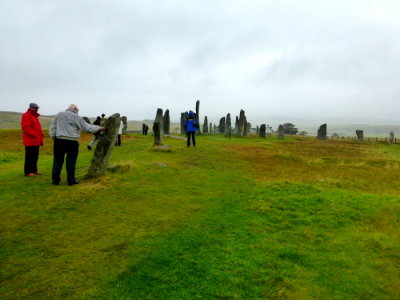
x,y
190,125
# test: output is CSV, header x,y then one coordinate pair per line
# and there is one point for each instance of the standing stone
x,y
211,128
228,125
248,128
257,131
166,122
183,121
322,132
281,132
262,131
124,120
237,125
198,114
104,147
159,119
360,135
215,128
87,120
391,137
241,124
157,134
222,125
205,125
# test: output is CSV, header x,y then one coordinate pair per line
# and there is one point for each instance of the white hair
x,y
74,108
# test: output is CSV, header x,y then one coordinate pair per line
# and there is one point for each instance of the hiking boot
x,y
89,147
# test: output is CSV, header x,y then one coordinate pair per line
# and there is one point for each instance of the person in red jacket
x,y
32,138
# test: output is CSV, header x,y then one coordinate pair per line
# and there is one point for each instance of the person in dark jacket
x,y
32,139
191,128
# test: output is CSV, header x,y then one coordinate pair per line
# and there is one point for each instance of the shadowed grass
x,y
231,218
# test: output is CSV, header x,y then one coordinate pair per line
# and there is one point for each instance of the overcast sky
x,y
312,60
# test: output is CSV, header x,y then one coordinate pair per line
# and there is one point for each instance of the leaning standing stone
x,y
281,132
360,135
322,132
104,147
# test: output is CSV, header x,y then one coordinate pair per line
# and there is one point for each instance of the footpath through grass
x,y
233,218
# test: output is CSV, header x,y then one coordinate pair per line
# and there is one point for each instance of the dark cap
x,y
33,105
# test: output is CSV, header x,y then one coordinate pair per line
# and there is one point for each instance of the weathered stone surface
x,y
242,123
222,125
86,119
262,131
159,120
391,137
198,114
322,132
104,147
205,125
228,125
124,120
211,128
281,132
166,122
157,134
360,135
184,117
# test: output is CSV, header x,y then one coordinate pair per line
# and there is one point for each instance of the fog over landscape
x,y
306,62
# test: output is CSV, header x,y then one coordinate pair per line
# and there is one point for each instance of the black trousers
x,y
62,148
31,158
193,135
118,141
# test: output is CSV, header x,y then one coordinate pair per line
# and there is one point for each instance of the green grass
x,y
233,218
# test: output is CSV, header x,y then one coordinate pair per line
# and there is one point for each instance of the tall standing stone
x,y
241,124
360,135
228,125
205,125
183,121
157,134
104,147
166,122
159,119
257,131
391,137
281,132
124,120
262,131
222,125
322,132
215,128
198,114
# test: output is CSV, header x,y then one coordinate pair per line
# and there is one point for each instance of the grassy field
x,y
244,218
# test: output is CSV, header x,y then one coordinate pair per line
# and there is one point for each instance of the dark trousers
x,y
118,141
31,158
193,135
71,149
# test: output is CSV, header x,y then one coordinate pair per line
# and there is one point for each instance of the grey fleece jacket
x,y
67,125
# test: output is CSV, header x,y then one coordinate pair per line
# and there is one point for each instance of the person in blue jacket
x,y
191,128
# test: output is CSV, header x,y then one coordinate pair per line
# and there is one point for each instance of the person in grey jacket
x,y
65,130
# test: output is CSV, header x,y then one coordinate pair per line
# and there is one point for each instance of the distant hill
x,y
12,120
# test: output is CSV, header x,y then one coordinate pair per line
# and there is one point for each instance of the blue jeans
x,y
62,148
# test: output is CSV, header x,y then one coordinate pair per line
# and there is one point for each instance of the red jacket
x,y
31,128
